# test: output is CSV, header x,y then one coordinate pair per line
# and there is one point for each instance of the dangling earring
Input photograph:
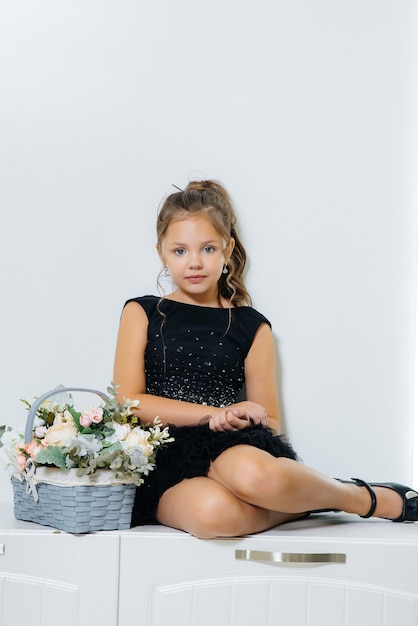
x,y
225,269
165,273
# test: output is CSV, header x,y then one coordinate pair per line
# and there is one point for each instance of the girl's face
x,y
195,254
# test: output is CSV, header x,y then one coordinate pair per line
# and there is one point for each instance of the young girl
x,y
186,357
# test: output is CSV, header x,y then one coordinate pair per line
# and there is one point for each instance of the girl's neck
x,y
214,302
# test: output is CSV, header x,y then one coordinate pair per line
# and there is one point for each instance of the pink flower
x,y
30,446
32,449
21,462
97,415
40,432
85,420
94,416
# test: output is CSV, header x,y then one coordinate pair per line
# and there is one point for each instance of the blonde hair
x,y
210,198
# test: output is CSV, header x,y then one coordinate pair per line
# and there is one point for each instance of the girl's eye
x,y
179,251
208,249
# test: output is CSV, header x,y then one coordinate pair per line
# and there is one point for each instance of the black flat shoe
x,y
409,497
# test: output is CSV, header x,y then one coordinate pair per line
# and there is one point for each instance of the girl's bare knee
x,y
258,479
217,516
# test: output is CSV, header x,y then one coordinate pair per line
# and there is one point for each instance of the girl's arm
x,y
260,375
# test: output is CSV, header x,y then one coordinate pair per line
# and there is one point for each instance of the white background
x,y
306,110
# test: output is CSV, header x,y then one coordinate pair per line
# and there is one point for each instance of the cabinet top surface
x,y
325,526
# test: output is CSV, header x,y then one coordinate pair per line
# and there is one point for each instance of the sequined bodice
x,y
197,353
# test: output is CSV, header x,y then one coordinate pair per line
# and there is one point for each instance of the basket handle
x,y
60,389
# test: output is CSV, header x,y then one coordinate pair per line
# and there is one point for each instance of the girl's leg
x,y
258,478
206,509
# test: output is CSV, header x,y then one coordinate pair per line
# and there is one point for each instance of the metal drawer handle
x,y
1,548
289,557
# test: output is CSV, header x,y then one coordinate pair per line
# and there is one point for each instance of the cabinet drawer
x,y
267,581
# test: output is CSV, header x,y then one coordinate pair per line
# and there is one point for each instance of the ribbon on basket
x,y
29,476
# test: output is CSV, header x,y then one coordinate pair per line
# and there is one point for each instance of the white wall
x,y
305,110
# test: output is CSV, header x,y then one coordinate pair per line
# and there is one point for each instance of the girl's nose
x,y
195,260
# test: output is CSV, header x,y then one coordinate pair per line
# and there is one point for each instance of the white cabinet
x,y
49,578
329,571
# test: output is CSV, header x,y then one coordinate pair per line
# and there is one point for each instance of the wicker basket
x,y
80,509
96,503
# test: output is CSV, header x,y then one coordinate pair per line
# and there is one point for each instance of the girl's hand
x,y
238,416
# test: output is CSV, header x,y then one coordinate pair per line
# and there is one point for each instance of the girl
x,y
186,357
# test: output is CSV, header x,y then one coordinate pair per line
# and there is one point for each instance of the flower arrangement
x,y
109,436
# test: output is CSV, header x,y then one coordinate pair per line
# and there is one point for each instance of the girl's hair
x,y
210,198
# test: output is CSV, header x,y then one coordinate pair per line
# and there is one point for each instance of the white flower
x,y
52,406
121,432
138,438
11,438
37,422
127,411
7,461
12,442
86,443
139,459
59,434
64,417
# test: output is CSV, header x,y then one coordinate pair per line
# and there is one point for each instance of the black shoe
x,y
409,497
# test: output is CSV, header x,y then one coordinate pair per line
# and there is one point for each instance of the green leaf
x,y
113,447
86,431
52,455
76,416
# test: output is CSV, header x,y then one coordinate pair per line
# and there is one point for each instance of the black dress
x,y
197,354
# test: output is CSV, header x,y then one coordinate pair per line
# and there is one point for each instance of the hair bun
x,y
208,187
203,185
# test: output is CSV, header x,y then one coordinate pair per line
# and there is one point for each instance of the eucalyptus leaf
x,y
52,455
113,447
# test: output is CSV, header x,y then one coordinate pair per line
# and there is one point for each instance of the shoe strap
x,y
362,483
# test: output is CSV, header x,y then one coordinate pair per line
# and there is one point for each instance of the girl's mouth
x,y
195,278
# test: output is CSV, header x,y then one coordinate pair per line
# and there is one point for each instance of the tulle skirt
x,y
190,455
